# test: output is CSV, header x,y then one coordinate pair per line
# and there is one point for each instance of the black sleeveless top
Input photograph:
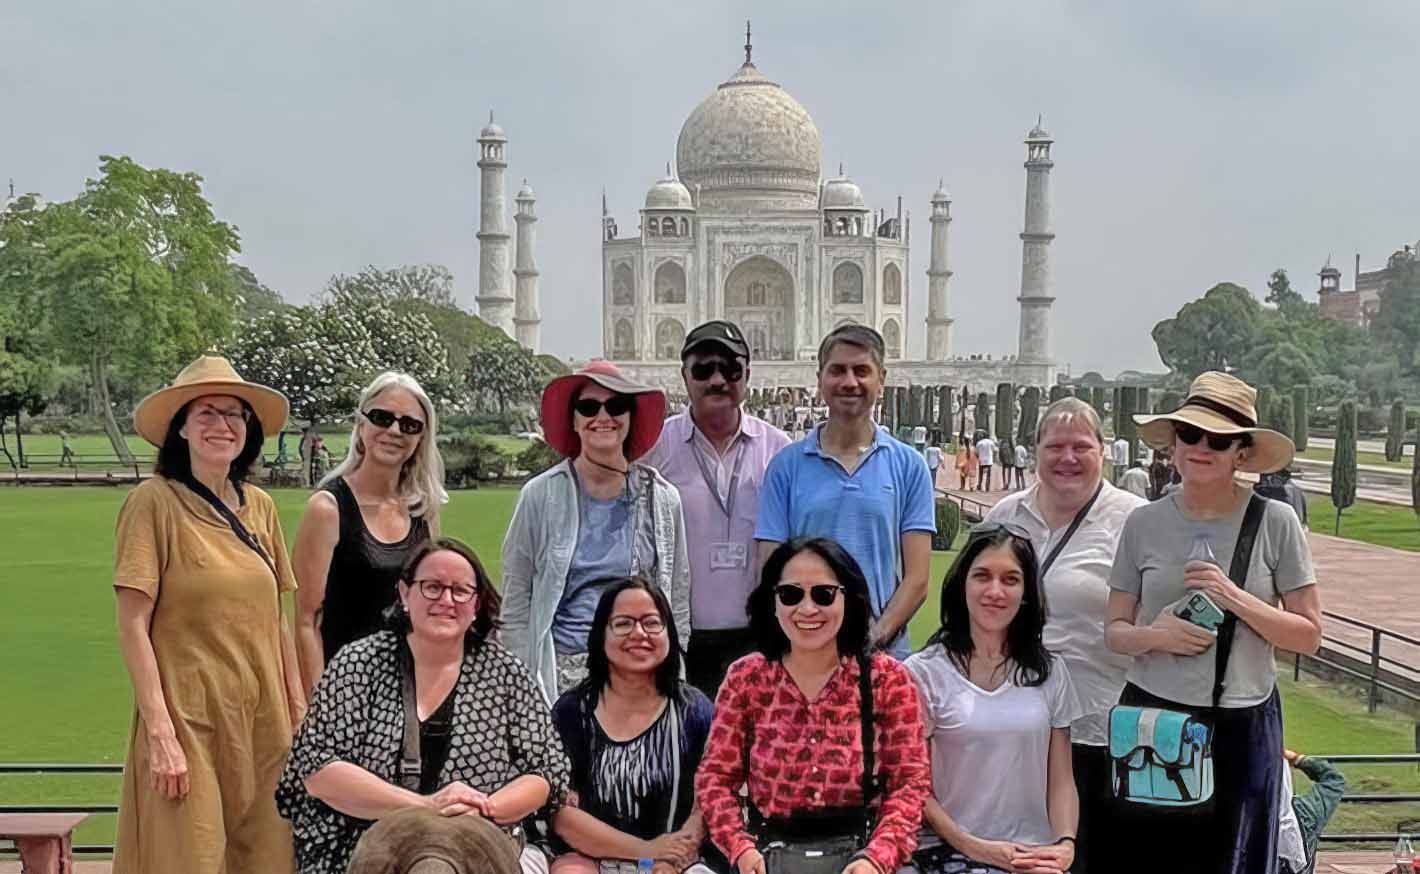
x,y
363,573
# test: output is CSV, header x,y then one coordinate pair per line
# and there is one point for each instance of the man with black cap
x,y
716,454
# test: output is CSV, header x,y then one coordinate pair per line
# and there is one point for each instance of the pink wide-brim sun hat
x,y
647,417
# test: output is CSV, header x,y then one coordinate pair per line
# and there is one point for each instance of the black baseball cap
x,y
719,332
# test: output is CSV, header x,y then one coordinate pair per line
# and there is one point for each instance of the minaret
x,y
526,316
939,326
495,299
1035,298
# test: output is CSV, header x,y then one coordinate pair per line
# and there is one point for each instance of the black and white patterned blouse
x,y
501,731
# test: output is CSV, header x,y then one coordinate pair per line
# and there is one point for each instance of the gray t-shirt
x,y
602,558
1149,565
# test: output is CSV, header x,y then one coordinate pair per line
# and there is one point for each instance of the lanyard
x,y
726,505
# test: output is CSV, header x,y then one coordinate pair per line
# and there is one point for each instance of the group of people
x,y
696,656
979,455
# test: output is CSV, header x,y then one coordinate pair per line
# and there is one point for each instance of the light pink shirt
x,y
717,595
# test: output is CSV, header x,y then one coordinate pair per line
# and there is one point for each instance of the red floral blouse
x,y
800,755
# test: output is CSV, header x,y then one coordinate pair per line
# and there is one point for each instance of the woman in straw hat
x,y
596,518
367,517
200,567
1182,544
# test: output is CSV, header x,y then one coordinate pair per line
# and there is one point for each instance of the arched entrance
x,y
759,297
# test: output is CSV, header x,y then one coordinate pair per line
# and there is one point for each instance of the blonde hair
x,y
421,480
1065,411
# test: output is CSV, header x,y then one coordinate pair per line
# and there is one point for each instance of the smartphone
x,y
1201,610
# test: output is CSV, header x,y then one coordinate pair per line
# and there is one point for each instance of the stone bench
x,y
45,840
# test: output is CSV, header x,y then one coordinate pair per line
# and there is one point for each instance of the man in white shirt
x,y
985,457
1136,480
933,454
1022,460
1120,451
1070,457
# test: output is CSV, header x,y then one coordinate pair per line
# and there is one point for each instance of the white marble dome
x,y
751,139
841,192
669,193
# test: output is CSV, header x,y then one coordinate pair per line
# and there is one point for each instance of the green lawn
x,y
1321,453
67,697
1367,521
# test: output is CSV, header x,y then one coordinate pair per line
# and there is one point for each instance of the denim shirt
x,y
537,554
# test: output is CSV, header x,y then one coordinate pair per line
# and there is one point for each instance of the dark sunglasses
x,y
616,405
990,529
821,594
1191,434
732,371
382,419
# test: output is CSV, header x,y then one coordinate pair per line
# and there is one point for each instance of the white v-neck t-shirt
x,y
991,750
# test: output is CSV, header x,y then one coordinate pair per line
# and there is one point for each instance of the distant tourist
x,y
790,722
851,481
998,707
635,733
1279,486
985,460
199,573
1305,816
716,455
1022,462
1136,480
1160,473
1185,543
1006,453
66,451
1120,455
919,438
597,517
430,713
933,455
966,464
1074,518
371,512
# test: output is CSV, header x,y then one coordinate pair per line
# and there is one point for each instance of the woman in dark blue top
x,y
635,734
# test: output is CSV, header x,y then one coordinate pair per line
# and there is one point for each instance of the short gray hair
x,y
1067,410
853,334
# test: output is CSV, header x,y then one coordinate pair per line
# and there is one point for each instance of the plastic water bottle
x,y
1404,855
1201,550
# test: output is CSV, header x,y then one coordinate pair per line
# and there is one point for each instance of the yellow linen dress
x,y
216,634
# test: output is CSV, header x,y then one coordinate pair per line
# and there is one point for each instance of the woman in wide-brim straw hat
x,y
597,517
1162,559
200,568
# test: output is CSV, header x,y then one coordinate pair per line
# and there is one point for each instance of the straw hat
x,y
1222,404
413,840
208,375
647,416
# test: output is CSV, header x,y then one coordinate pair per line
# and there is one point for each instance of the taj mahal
x,y
745,227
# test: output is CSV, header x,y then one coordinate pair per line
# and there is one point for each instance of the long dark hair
x,y
1024,646
175,460
599,666
485,620
857,609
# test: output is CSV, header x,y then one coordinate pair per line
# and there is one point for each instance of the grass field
x,y
1366,521
1322,453
66,696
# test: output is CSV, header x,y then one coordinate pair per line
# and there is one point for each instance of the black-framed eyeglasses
x,y
732,370
1191,434
621,626
433,590
822,594
208,416
616,405
988,529
382,419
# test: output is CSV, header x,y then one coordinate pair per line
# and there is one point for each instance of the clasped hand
x,y
1208,578
458,798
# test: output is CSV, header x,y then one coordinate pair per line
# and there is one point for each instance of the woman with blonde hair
x,y
368,515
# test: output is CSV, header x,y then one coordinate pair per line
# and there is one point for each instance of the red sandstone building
x,y
1357,305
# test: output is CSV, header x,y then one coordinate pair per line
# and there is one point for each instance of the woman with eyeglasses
x,y
1183,545
789,725
635,733
598,516
200,572
996,708
431,714
365,519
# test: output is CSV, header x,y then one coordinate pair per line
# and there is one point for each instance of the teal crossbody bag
x,y
1164,758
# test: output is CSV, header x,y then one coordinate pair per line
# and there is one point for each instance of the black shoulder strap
x,y
411,766
865,714
231,519
1242,559
1070,532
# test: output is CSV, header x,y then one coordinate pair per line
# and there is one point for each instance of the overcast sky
x,y
1196,142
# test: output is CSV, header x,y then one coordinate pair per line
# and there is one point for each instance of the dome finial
x,y
840,168
490,116
668,169
749,45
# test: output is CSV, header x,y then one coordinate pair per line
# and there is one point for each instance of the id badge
x,y
729,556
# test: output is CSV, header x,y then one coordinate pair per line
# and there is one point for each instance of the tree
x,y
1395,433
1124,420
1343,461
1283,418
429,283
1266,399
1397,320
254,298
1415,476
1281,363
1057,392
503,372
27,372
1211,333
1279,291
1301,415
946,416
310,354
1030,416
1005,410
134,274
983,413
1097,400
400,339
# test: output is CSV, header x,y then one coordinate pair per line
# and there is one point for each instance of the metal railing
x,y
1377,673
972,510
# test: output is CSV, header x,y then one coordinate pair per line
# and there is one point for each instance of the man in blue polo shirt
x,y
851,481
